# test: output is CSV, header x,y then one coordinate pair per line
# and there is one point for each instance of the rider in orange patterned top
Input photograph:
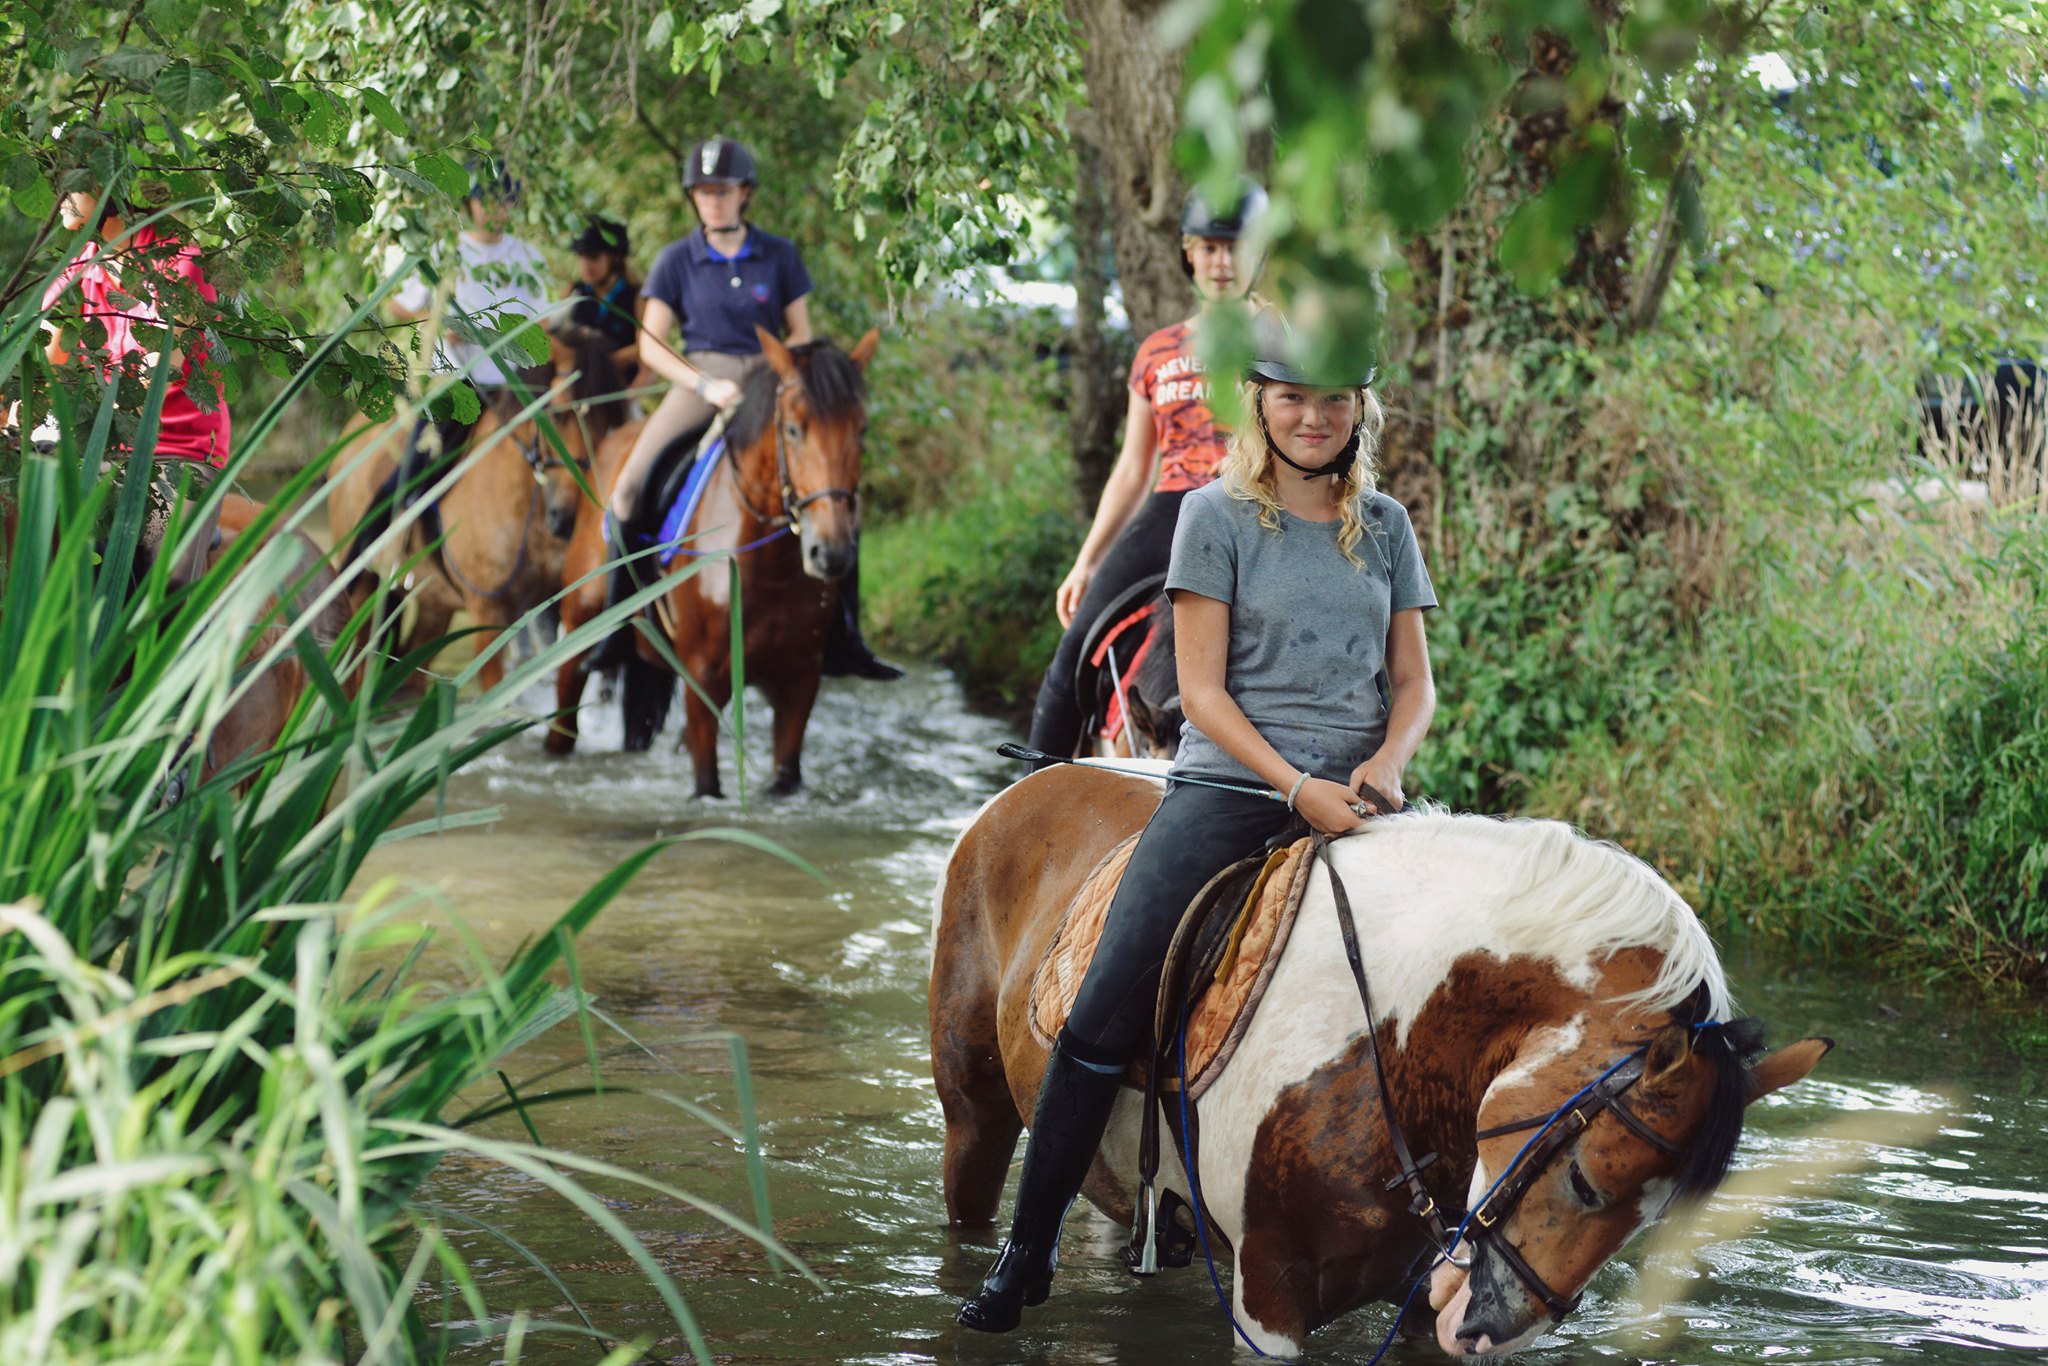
x,y
1171,447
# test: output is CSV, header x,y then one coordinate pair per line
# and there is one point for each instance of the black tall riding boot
x,y
1074,1102
621,583
846,651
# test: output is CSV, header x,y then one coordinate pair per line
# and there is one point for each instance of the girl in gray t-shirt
x,y
1294,585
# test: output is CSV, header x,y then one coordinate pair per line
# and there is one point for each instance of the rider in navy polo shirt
x,y
717,285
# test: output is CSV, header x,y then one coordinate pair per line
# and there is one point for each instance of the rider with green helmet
x,y
1294,583
1172,446
716,286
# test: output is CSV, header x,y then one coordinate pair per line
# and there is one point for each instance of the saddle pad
x,y
1247,956
684,508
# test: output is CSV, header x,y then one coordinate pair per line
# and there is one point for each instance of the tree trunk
x,y
1134,91
1096,401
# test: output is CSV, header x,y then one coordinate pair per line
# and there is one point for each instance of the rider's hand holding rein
x,y
1414,690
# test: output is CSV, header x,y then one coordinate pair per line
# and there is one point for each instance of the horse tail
x,y
646,693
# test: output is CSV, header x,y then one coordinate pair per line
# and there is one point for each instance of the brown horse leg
x,y
982,1120
569,681
792,701
700,731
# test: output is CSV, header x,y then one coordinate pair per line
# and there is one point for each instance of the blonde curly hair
x,y
1247,469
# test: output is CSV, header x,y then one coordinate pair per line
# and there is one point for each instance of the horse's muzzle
x,y
1483,1319
828,559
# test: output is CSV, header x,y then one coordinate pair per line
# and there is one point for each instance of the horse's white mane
x,y
1576,899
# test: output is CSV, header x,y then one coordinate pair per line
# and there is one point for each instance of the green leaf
x,y
136,65
466,405
660,31
188,90
173,18
381,109
1812,28
318,122
444,171
35,200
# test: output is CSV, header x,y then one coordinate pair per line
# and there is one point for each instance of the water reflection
x,y
1932,1253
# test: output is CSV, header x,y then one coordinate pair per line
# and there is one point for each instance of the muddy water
x,y
1930,1253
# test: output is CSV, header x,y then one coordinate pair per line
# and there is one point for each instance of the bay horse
x,y
1510,962
506,518
790,463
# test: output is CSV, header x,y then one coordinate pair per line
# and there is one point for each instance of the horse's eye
x,y
792,431
1582,1188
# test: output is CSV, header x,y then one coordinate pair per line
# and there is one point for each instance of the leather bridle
x,y
792,505
1556,1132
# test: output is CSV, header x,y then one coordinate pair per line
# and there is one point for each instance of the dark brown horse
x,y
506,519
1511,964
782,502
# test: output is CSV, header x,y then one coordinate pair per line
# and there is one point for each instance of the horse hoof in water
x,y
788,779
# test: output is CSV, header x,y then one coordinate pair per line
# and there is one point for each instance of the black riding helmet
x,y
1277,359
719,161
490,178
600,236
1198,219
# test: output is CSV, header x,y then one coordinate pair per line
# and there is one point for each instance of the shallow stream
x,y
1937,1252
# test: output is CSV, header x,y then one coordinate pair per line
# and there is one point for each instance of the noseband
x,y
1556,1132
537,455
792,505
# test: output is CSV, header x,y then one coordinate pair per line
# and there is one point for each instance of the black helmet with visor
x,y
1198,218
1277,359
719,161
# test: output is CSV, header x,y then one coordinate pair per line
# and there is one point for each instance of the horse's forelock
x,y
1728,1048
834,387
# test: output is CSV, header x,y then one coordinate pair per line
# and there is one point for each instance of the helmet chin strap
x,y
1340,464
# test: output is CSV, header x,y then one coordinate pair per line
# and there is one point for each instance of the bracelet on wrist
x,y
1295,791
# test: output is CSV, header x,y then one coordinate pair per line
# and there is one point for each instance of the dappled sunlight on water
x,y
1936,1252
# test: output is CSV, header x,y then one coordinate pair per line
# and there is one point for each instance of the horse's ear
x,y
1793,1062
783,363
1670,1050
864,349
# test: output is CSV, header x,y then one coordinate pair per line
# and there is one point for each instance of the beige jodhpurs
x,y
681,409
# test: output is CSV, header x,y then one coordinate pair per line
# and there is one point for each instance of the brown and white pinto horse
x,y
791,463
506,518
1511,963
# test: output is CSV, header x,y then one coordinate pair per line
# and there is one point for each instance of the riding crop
x,y
1011,750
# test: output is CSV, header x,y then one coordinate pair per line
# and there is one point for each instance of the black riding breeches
x,y
1196,833
1141,549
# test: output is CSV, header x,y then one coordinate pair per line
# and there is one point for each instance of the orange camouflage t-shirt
x,y
1168,375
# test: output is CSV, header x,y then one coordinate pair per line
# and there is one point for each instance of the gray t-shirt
x,y
1308,629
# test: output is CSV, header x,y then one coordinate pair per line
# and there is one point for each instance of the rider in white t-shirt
x,y
500,278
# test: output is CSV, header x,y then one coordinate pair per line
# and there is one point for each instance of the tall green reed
x,y
214,1121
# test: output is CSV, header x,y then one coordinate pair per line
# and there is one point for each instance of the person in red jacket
x,y
1172,447
138,279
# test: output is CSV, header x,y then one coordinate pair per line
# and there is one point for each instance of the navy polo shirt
x,y
719,299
